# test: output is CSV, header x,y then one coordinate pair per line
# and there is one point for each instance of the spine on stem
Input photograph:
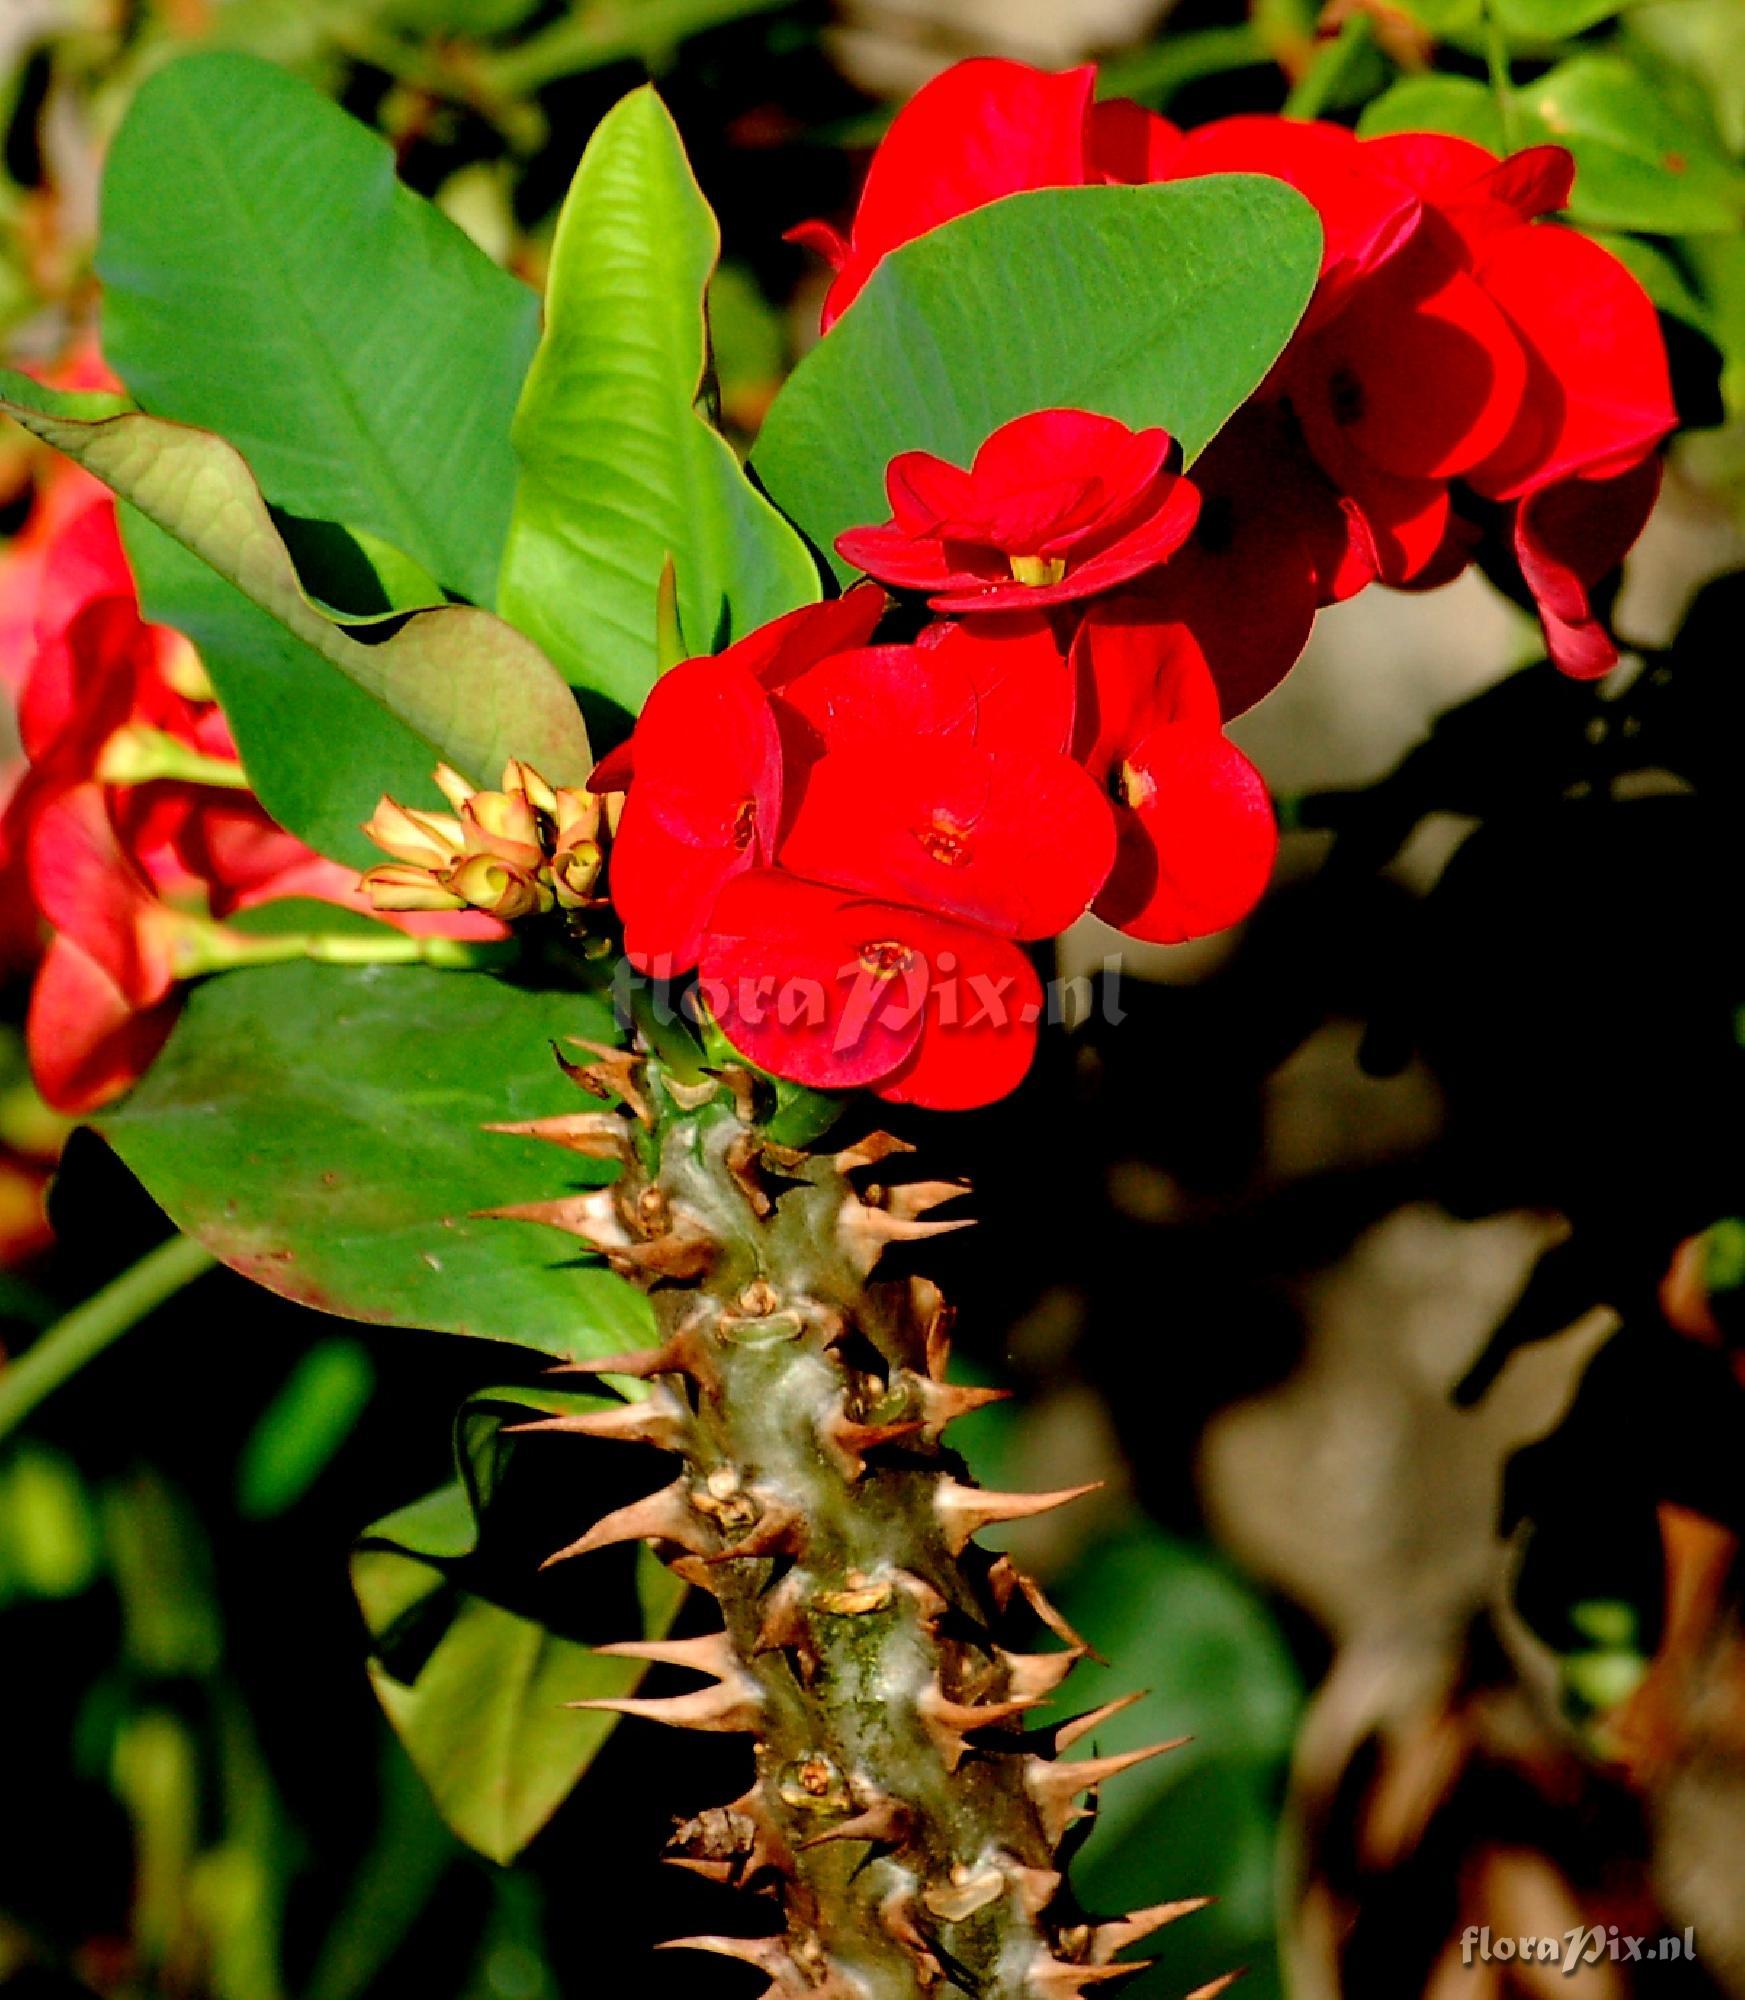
x,y
903,1813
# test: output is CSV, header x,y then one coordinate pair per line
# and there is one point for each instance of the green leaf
x,y
1436,104
1552,20
1444,17
467,686
1177,1621
1641,162
266,277
1703,40
1157,305
322,1130
319,749
303,1427
620,464
476,1689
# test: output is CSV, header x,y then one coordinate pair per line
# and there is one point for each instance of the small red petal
x,y
87,1042
1569,536
1197,849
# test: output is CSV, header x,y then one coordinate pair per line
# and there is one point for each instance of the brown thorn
x,y
885,1822
592,1216
780,1531
1037,1887
1082,1726
659,1420
866,1233
868,1152
743,1163
1035,1676
964,1511
929,1306
680,1253
1214,1987
725,1706
1054,1979
711,1654
1115,1936
909,1199
1055,1786
942,1403
663,1516
612,1073
1006,1577
600,1135
847,1442
769,1955
898,1913
950,1722
784,1627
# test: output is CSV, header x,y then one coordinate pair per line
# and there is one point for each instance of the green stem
x,y
1154,75
138,754
213,948
610,31
88,1329
1496,54
1321,81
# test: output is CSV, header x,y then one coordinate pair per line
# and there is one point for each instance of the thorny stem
x,y
908,1820
58,1355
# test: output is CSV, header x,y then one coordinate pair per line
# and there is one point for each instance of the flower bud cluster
x,y
520,851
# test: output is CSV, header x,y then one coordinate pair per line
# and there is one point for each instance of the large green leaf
x,y
620,464
476,1687
1642,160
321,1129
1203,1820
266,276
455,684
1156,305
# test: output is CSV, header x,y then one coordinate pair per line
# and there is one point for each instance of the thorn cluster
x,y
911,1825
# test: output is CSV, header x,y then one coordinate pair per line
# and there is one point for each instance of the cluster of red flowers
x,y
1464,369
851,841
129,832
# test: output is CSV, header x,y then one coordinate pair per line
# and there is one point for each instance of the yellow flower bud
x,y
396,888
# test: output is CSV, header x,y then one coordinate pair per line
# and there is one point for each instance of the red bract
x,y
126,867
1196,829
1457,340
849,857
837,990
707,755
1057,506
1274,541
1019,844
981,130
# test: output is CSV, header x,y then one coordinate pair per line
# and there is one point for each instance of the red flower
x,y
1274,541
128,867
1195,826
839,991
1057,506
1018,844
708,795
981,130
